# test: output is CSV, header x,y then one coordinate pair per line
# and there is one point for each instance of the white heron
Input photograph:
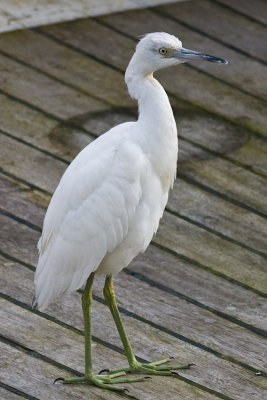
x,y
110,199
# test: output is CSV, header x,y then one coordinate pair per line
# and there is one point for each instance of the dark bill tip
x,y
213,59
191,55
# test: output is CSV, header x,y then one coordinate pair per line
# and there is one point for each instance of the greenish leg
x,y
103,381
87,300
153,368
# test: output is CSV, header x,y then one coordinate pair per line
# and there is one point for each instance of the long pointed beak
x,y
190,55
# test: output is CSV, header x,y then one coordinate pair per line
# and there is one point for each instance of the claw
x,y
125,390
191,365
171,358
147,377
103,370
59,379
174,373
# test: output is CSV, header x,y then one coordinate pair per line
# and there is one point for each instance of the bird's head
x,y
160,50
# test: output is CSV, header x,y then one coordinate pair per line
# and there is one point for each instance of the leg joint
x,y
108,290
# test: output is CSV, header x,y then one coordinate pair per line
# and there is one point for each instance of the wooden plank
x,y
203,246
227,179
53,98
34,376
7,395
256,9
224,25
218,214
161,268
209,368
37,129
219,334
28,13
21,164
219,255
155,264
73,357
103,82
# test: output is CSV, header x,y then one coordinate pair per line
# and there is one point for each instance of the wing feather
x,y
88,216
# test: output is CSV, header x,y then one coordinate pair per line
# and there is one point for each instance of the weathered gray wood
x,y
146,389
218,214
35,377
5,394
223,24
155,264
181,276
39,130
219,334
34,13
256,9
148,342
22,160
229,180
57,99
18,199
101,82
203,246
208,250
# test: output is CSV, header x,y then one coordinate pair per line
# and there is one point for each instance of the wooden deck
x,y
199,292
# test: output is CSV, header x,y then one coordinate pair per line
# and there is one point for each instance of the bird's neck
x,y
153,103
155,129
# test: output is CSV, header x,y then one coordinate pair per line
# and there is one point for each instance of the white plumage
x,y
109,201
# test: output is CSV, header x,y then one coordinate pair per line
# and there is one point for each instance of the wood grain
x,y
142,336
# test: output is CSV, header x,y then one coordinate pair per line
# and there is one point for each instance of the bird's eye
x,y
163,51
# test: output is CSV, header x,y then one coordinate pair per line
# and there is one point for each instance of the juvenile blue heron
x,y
109,201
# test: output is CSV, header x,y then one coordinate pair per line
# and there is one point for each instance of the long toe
x,y
107,381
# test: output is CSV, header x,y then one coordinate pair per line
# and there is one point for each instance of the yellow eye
x,y
163,51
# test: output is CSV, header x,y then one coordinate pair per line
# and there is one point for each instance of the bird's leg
x,y
87,300
109,295
103,381
153,368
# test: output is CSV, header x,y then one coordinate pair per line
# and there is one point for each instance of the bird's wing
x,y
89,215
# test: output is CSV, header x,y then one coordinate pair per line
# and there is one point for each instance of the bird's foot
x,y
104,381
152,368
